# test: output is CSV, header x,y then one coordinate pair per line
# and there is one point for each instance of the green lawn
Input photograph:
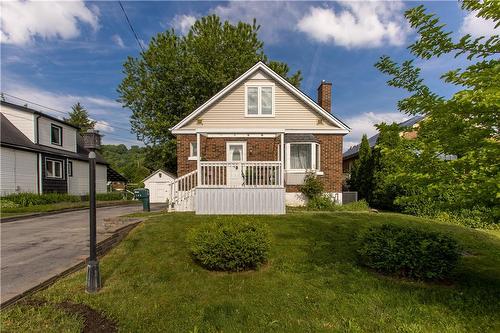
x,y
19,211
311,284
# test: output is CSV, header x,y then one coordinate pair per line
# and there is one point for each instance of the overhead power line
x,y
66,113
130,26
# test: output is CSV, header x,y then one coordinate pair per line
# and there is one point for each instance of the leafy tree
x,y
176,74
362,172
128,162
80,117
465,125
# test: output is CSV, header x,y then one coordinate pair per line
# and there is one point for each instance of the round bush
x,y
230,245
408,252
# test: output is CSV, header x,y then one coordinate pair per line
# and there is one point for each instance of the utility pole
x,y
92,142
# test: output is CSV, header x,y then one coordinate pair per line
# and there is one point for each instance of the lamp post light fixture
x,y
92,142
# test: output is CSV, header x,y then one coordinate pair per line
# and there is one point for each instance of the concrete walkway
x,y
36,249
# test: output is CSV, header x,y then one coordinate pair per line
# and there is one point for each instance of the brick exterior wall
x,y
325,96
265,149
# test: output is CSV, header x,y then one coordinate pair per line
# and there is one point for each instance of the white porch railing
x,y
182,190
241,174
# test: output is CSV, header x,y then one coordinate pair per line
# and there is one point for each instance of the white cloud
x,y
478,26
118,41
104,126
274,17
365,124
183,23
357,24
22,21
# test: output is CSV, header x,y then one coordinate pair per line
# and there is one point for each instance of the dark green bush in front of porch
x,y
229,245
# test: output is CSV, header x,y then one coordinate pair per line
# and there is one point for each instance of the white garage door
x,y
159,192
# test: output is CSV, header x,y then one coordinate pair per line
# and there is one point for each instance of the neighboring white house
x,y
159,185
41,154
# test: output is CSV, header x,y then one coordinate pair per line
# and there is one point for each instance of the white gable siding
x,y
18,171
78,184
290,112
68,134
24,121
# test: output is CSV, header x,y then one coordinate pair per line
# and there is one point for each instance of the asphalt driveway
x,y
35,249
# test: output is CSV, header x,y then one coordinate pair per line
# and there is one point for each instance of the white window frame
x,y
259,100
192,155
243,143
314,167
54,161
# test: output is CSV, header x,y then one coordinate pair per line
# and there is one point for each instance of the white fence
x,y
241,174
182,192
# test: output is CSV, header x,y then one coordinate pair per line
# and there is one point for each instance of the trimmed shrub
x,y
230,245
326,203
7,204
320,202
109,196
33,199
313,187
408,252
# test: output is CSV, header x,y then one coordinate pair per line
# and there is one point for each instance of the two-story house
x,y
42,154
248,149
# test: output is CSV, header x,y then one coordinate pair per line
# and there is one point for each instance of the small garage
x,y
158,184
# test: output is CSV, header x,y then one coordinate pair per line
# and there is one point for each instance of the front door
x,y
236,153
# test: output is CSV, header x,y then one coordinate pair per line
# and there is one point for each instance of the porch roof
x,y
300,137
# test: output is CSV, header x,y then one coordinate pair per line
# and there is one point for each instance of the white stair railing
x,y
247,174
182,189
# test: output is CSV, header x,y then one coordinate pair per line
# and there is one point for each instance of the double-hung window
x,y
193,151
259,101
303,156
56,135
53,168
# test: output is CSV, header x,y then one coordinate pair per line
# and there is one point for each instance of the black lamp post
x,y
92,142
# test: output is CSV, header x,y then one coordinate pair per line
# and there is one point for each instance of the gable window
x,y
303,156
70,169
259,101
193,151
53,168
56,135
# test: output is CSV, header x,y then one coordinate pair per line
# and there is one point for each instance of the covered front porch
x,y
241,172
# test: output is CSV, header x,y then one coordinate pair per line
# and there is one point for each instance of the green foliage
x,y
130,162
80,117
4,203
324,202
313,186
109,196
361,179
408,252
228,245
33,199
414,177
176,74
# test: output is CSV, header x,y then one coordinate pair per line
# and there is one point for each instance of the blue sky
x,y
56,54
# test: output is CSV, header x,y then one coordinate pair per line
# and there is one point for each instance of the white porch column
x,y
282,159
198,154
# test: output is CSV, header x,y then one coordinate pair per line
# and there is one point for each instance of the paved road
x,y
35,249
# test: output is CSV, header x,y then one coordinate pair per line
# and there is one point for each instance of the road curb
x,y
24,217
103,247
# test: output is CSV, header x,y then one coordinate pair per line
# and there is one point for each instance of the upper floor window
x,y
56,135
259,101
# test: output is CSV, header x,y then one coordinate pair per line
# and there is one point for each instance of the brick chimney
x,y
325,95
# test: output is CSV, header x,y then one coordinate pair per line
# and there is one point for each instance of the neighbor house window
x,y
70,169
193,151
53,168
303,156
56,135
260,101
